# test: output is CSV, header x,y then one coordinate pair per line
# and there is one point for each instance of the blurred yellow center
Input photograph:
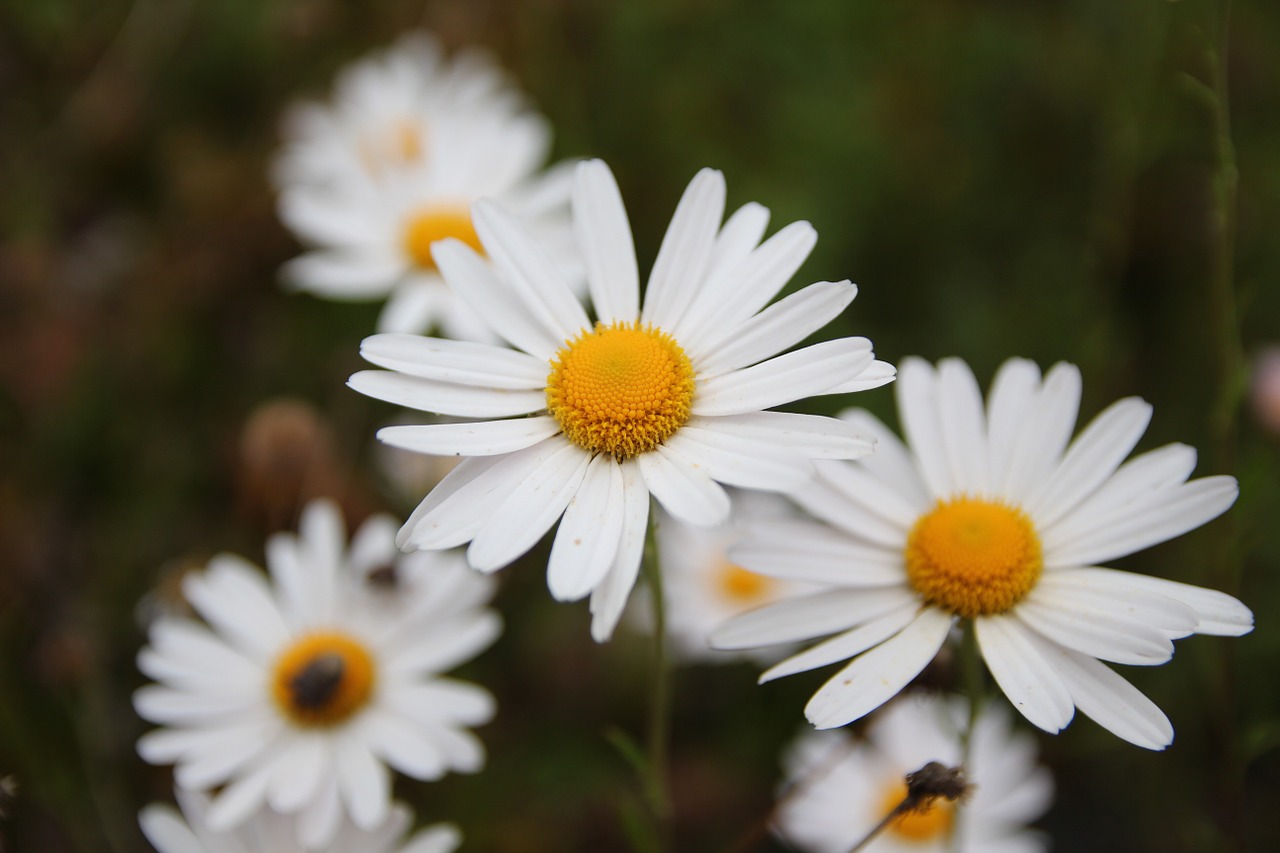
x,y
973,557
741,586
931,822
434,224
621,389
322,679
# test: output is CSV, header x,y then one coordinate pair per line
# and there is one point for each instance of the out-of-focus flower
x,y
993,519
302,692
703,587
189,831
1264,390
592,419
841,788
411,141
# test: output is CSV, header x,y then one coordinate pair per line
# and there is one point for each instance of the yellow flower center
x,y
932,821
740,585
973,557
323,679
621,389
437,223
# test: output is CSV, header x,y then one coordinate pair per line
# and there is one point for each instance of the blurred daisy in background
x,y
703,587
841,787
993,518
299,693
587,420
188,831
411,140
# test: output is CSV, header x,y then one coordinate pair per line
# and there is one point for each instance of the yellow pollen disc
x,y
740,585
322,679
437,223
973,557
931,822
621,389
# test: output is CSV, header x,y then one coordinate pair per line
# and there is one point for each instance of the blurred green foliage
x,y
1000,178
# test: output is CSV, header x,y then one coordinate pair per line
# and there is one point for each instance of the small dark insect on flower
x,y
314,686
932,781
383,577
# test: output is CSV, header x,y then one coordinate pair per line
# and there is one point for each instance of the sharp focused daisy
x,y
703,587
412,143
841,787
271,832
301,693
998,520
586,419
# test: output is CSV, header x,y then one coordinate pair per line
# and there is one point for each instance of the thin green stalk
x,y
974,680
660,692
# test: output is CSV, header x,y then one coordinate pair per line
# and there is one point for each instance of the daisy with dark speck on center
x,y
586,418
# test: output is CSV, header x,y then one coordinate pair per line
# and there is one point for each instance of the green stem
x,y
973,678
660,692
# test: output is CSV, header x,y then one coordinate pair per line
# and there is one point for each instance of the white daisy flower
x,y
188,831
703,587
371,230
994,519
383,113
842,787
587,420
300,694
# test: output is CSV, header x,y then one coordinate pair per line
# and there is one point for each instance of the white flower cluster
x,y
595,413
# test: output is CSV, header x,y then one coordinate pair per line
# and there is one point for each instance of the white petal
x,y
1030,682
1097,635
298,772
805,372
735,460
162,705
441,838
610,595
778,327
589,534
344,274
752,283
319,822
1011,397
167,831
846,645
683,488
478,438
795,549
964,433
1044,433
678,271
416,305
833,505
402,746
233,596
740,235
1170,513
478,285
1216,613
459,504
441,700
446,644
446,398
604,237
459,362
530,509
876,676
1121,597
236,802
529,271
891,462
870,494
364,782
816,436
917,394
1108,699
1092,458
808,616
877,374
